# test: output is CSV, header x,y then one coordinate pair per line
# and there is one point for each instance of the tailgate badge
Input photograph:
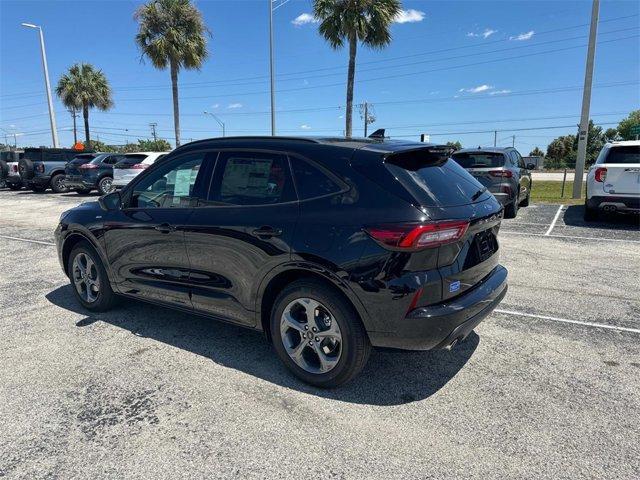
x,y
454,286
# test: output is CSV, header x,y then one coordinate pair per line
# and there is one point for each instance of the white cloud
x,y
409,16
499,92
472,35
488,32
523,36
305,127
478,89
234,105
215,105
304,19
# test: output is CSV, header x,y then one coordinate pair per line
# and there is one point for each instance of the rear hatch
x,y
128,161
623,170
446,192
486,167
72,168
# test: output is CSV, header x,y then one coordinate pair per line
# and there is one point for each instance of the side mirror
x,y
531,166
111,201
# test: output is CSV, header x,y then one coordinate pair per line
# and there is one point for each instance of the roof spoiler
x,y
378,134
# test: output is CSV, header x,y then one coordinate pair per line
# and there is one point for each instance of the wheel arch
x,y
75,237
277,280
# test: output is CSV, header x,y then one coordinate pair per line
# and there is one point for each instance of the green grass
x,y
546,191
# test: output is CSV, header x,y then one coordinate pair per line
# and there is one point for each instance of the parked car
x,y
42,168
9,169
96,174
613,182
130,167
502,171
328,246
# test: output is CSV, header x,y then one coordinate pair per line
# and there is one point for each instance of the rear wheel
x,y
105,185
89,279
57,183
511,210
318,335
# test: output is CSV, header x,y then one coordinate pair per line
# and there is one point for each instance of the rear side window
x,y
479,159
252,178
311,182
623,154
437,184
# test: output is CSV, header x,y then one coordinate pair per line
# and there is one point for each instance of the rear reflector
x,y
601,174
501,173
412,237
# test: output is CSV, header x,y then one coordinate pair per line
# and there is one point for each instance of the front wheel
x,y
318,335
105,185
89,279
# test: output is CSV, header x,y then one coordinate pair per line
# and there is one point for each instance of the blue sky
x,y
453,68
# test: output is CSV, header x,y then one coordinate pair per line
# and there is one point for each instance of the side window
x,y
171,186
251,178
311,182
54,157
113,159
514,158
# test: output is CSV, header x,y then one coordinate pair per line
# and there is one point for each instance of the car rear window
x,y
479,159
626,154
435,182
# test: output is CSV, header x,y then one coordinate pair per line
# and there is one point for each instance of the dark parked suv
x,y
330,246
95,174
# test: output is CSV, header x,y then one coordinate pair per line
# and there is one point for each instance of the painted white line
x,y
601,239
555,219
565,320
39,242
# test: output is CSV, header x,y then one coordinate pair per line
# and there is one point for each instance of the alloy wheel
x,y
311,335
107,185
85,277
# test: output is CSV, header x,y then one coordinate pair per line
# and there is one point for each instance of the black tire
x,y
4,170
83,191
355,346
26,169
3,183
15,186
57,183
590,214
525,202
105,185
38,188
106,298
511,210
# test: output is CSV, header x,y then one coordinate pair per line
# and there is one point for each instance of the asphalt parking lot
x,y
546,387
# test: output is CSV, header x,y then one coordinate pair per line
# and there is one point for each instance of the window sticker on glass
x,y
182,184
245,176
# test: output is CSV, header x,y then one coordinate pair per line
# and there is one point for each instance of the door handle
x,y
266,232
165,228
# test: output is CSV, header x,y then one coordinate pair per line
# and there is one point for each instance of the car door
x,y
145,239
241,232
525,175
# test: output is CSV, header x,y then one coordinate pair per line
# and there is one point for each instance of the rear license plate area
x,y
485,245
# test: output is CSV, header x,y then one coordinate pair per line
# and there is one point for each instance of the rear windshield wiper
x,y
478,193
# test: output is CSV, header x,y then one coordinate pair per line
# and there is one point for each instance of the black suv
x,y
328,245
95,173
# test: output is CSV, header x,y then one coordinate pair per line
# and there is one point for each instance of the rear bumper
x,y
75,182
615,203
438,326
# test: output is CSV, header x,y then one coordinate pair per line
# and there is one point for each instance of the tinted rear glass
x,y
131,159
437,184
626,154
479,159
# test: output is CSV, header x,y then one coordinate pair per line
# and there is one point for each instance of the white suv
x,y
613,182
130,167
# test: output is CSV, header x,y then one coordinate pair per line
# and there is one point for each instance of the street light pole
x,y
52,114
583,133
271,70
220,122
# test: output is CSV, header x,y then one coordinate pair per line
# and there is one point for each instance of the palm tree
x,y
84,87
354,21
172,34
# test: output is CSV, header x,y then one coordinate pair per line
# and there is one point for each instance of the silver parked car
x,y
502,171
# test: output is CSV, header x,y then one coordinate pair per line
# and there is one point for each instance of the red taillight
x,y
501,173
14,168
40,167
412,237
88,166
139,166
601,174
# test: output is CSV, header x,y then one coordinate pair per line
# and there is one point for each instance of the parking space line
x,y
40,242
566,320
599,239
555,219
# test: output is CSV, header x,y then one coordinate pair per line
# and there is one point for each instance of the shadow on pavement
x,y
574,217
390,377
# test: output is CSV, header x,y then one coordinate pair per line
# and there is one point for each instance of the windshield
x,y
626,154
479,159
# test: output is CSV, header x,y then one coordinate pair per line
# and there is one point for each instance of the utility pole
x,y
513,141
495,138
52,114
586,102
73,113
153,126
366,118
271,70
